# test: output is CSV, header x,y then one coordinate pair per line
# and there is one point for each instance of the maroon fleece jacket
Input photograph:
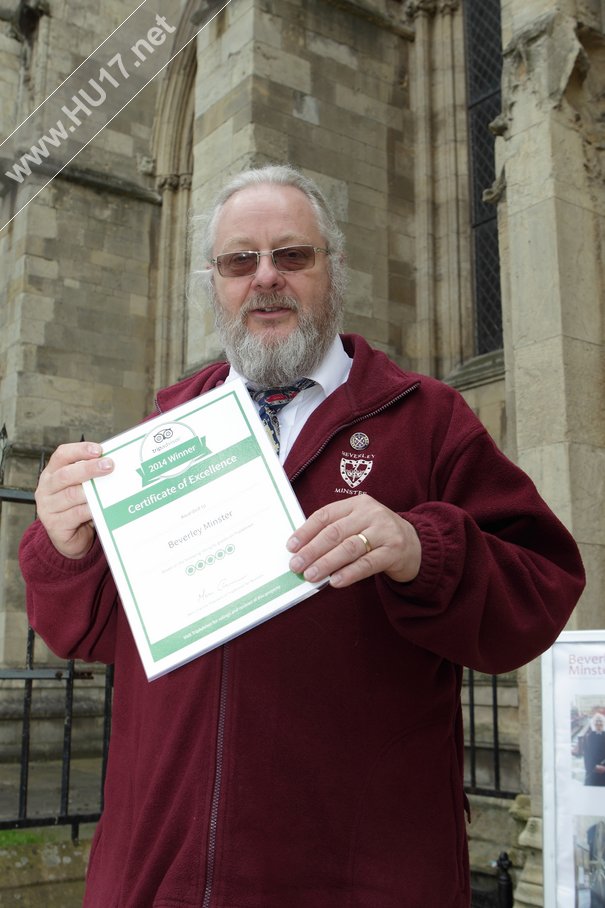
x,y
316,761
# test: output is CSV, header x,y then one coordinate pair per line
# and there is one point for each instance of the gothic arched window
x,y
484,67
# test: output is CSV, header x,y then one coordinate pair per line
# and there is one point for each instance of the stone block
x,y
232,105
535,291
363,105
360,296
492,830
306,108
117,142
238,35
334,51
401,246
566,407
267,28
36,266
327,75
580,267
211,154
589,611
488,402
587,484
282,68
244,140
138,305
215,83
323,19
269,141
49,874
34,412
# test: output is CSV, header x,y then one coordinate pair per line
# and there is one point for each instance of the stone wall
x,y
77,268
551,169
42,872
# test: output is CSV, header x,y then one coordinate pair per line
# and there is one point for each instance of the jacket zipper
x,y
218,772
345,425
218,778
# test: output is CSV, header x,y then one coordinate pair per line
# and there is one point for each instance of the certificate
x,y
194,521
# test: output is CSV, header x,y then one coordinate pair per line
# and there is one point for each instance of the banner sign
x,y
573,691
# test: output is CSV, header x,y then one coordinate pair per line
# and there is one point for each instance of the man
x,y
315,761
594,751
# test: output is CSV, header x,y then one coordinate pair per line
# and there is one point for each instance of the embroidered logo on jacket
x,y
354,471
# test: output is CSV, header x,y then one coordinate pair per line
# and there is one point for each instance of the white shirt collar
x,y
332,372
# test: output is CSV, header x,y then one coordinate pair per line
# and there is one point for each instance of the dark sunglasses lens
x,y
294,258
237,264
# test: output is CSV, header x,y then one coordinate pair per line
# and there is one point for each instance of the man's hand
x,y
333,542
60,499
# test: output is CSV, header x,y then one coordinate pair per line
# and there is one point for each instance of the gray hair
x,y
203,226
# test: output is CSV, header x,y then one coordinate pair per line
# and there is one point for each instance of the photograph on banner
x,y
573,683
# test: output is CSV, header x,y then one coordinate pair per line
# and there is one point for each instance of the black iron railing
x,y
483,747
69,675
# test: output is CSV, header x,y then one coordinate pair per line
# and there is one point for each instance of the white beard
x,y
271,360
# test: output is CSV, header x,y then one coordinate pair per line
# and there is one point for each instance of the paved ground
x,y
44,788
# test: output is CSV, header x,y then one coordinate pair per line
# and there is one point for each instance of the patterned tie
x,y
272,400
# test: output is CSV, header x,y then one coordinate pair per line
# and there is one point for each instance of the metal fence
x,y
484,753
68,675
32,676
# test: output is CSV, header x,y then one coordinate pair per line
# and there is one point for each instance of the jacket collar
x,y
374,383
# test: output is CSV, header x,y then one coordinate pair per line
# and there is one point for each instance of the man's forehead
x,y
250,240
283,203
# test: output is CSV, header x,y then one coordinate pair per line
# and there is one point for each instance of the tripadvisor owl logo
x,y
168,450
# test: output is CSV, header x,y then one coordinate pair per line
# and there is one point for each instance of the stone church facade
x,y
371,98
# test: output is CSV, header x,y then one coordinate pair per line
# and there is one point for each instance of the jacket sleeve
x,y
71,604
500,574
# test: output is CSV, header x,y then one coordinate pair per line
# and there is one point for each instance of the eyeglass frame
x,y
271,252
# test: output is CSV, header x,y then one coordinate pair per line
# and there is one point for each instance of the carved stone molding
x,y
173,181
449,6
496,191
416,8
146,165
362,10
430,8
167,181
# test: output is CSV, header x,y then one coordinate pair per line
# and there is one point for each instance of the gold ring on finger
x,y
366,542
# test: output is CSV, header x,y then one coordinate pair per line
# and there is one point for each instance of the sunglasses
x,y
285,259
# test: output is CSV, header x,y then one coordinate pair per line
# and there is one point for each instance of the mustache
x,y
268,301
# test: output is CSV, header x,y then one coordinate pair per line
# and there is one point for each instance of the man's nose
x,y
267,276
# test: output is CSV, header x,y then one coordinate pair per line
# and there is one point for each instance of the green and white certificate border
x,y
239,615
